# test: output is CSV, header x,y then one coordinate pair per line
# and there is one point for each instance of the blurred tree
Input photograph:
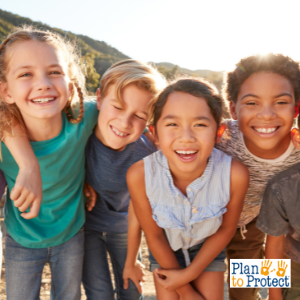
x,y
92,77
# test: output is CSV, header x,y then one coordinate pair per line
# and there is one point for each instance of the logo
x,y
269,273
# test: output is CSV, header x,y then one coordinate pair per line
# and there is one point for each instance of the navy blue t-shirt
x,y
106,172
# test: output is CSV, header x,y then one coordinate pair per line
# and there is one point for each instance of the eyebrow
x,y
28,67
176,117
278,96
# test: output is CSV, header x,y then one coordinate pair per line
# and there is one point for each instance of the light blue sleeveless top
x,y
188,221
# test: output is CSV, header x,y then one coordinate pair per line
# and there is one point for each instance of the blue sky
x,y
195,34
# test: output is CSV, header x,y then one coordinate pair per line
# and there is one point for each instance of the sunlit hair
x,y
10,113
196,87
271,63
131,71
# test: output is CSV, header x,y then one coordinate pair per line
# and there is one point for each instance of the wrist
x,y
184,290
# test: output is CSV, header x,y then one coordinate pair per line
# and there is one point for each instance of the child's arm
x,y
133,268
156,239
275,250
27,191
214,244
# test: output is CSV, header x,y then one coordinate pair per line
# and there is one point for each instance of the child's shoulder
x,y
136,172
286,177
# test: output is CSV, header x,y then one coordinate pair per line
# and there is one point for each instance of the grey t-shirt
x,y
280,210
261,170
106,172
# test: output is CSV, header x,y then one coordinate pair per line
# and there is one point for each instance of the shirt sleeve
x,y
90,116
272,218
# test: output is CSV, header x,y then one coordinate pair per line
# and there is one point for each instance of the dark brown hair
x,y
271,63
196,87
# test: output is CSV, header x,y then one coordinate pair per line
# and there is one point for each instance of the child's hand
x,y
296,137
91,196
169,279
28,191
135,273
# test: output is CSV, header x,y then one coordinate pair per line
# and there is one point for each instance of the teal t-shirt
x,y
62,161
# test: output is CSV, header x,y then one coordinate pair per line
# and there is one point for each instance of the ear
x,y
232,107
220,132
153,132
98,94
5,95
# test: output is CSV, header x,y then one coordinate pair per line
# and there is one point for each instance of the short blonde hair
x,y
131,71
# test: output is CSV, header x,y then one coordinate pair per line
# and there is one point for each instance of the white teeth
x,y
185,152
265,130
117,132
42,100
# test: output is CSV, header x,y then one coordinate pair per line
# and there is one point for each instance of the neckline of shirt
x,y
281,158
198,183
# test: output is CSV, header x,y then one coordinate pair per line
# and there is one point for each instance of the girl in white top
x,y
188,186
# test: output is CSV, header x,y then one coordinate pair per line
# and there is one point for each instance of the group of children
x,y
209,192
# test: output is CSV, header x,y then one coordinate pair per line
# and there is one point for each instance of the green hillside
x,y
98,56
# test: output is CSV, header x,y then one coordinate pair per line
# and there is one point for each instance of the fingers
x,y
86,190
91,196
161,273
15,192
34,211
21,199
138,285
126,283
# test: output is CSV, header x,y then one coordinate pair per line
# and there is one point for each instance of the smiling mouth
x,y
118,133
266,129
186,155
43,100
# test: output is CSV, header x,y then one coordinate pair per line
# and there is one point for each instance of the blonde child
x,y
188,196
125,97
40,80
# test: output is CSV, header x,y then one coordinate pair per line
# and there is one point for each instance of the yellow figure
x,y
265,266
281,269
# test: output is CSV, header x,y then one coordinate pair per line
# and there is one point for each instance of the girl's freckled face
x,y
37,80
186,132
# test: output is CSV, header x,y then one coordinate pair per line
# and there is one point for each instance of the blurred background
x,y
194,37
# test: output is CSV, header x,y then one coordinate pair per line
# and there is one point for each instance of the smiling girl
x,y
40,79
188,196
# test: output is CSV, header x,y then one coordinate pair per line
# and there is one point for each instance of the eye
x,y
200,125
281,102
172,124
250,103
140,118
25,75
55,72
118,108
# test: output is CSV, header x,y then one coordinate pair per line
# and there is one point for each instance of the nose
x,y
43,83
267,113
187,135
125,120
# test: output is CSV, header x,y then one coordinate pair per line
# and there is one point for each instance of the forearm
x,y
20,149
166,259
134,237
275,250
211,248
